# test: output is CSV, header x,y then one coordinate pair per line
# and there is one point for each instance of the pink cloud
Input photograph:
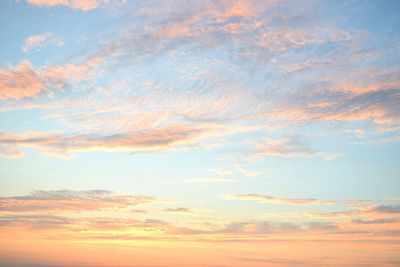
x,y
20,82
156,139
74,4
25,81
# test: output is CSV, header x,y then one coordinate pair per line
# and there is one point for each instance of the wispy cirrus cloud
x,y
290,146
220,171
185,212
384,209
159,139
366,214
245,171
247,40
208,180
279,200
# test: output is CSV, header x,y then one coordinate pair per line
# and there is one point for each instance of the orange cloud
x,y
185,211
156,139
70,201
23,81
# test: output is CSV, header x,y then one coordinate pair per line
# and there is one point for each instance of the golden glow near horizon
x,y
199,133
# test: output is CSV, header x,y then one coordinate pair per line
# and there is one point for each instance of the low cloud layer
x,y
70,201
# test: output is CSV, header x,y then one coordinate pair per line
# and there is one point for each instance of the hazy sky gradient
x,y
199,133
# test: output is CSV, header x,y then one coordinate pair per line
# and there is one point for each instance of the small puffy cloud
x,y
39,41
21,82
26,81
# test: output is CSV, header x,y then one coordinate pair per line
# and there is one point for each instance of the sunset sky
x,y
199,133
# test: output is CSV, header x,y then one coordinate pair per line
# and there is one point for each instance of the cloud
x,y
74,4
102,228
34,221
362,215
158,139
253,38
185,211
382,209
123,228
106,224
26,81
23,81
37,211
332,215
70,201
376,221
321,226
209,180
221,171
290,146
282,261
178,210
286,147
251,229
259,227
39,41
246,172
279,200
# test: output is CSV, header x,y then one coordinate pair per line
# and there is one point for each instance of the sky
x,y
199,133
